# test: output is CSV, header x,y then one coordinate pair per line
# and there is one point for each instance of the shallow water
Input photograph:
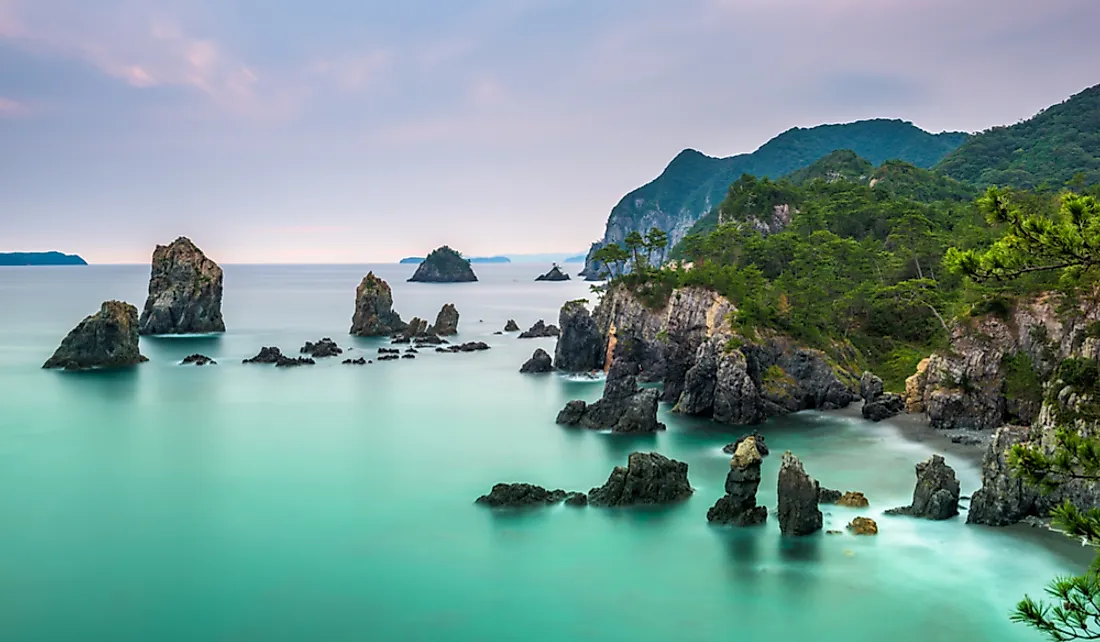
x,y
237,502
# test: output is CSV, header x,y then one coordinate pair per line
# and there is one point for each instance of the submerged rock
x,y
361,361
446,322
520,496
106,339
198,360
624,406
758,439
374,315
883,407
581,347
539,362
324,348
936,495
798,494
511,326
269,355
471,346
389,357
288,362
555,274
444,265
540,330
648,478
738,505
185,292
863,526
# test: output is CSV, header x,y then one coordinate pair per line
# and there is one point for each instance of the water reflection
x,y
175,348
116,384
742,546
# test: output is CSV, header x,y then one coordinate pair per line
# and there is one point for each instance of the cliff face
x,y
185,292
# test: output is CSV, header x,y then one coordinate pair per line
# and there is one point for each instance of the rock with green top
x,y
185,292
444,265
374,315
106,339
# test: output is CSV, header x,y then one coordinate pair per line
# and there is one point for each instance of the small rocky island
x,y
374,315
625,407
444,265
555,274
738,506
936,495
185,292
106,339
446,322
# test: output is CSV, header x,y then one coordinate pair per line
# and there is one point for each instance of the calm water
x,y
335,503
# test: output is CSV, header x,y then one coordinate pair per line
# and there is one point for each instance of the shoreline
x,y
915,428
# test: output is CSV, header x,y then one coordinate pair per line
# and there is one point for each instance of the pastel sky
x,y
360,131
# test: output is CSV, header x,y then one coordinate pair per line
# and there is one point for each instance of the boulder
x,y
374,315
511,326
648,478
106,339
521,496
287,362
324,348
185,292
555,274
539,362
883,407
738,505
870,386
853,499
863,526
936,495
828,495
624,406
444,265
798,495
757,438
540,330
198,360
581,346
446,322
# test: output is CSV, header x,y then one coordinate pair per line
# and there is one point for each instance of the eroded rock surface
x,y
185,292
374,315
738,506
936,495
106,339
648,478
798,496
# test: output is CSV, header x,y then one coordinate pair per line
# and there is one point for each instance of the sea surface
x,y
243,502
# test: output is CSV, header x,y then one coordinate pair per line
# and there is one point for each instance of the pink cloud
x,y
10,108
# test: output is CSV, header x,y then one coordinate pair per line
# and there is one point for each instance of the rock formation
x,y
361,361
528,495
936,495
863,526
185,292
106,339
511,326
270,354
648,478
326,347
581,346
539,362
540,330
828,495
446,322
761,444
444,265
853,499
471,346
416,328
718,385
374,315
738,506
624,406
1003,498
878,405
870,386
798,493
198,360
555,274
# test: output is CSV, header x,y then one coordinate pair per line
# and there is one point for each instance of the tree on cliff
x,y
1068,243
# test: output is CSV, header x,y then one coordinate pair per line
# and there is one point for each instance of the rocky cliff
x,y
106,339
185,292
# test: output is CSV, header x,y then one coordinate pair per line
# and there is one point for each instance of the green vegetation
x,y
1021,379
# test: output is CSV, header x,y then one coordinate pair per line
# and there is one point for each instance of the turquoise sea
x,y
235,502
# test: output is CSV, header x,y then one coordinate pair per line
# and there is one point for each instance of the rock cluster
x,y
324,348
374,315
361,361
581,346
539,362
271,354
471,346
106,339
444,265
738,505
798,496
878,405
540,330
198,360
936,495
648,478
624,406
522,495
185,292
555,274
446,322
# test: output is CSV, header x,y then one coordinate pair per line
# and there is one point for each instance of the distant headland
x,y
414,260
40,258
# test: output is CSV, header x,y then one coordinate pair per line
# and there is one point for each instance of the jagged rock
x,y
870,387
719,386
388,351
389,357
287,362
408,356
539,362
444,265
798,493
648,478
883,407
572,413
936,495
555,274
276,356
576,499
198,360
429,340
853,499
624,406
511,326
106,339
758,439
828,495
355,362
738,505
521,496
914,388
374,315
324,348
581,347
471,346
185,292
539,331
446,322
1003,498
863,526
400,339
417,328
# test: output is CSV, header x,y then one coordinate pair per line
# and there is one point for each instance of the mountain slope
x,y
693,183
1052,147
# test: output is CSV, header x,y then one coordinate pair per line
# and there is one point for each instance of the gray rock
x,y
416,328
828,495
444,265
870,387
273,355
446,322
624,407
521,496
883,407
511,326
198,360
798,497
540,330
326,347
555,274
648,478
374,315
185,292
576,499
718,385
572,413
936,495
738,506
539,362
1003,498
106,339
581,346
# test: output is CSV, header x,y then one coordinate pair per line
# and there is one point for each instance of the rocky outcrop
x,y
374,315
444,265
185,292
446,322
1003,498
539,362
719,386
738,505
417,327
581,346
529,496
870,387
198,360
828,495
863,526
512,326
273,355
883,407
624,406
798,492
648,478
540,330
326,347
853,499
936,495
106,339
470,346
758,439
361,361
555,274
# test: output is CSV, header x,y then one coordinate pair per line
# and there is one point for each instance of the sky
x,y
352,131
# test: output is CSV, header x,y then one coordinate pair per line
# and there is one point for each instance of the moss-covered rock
x,y
106,339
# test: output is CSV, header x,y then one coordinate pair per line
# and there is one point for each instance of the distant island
x,y
40,258
575,259
415,260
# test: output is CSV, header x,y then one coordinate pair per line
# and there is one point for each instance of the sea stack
x,y
738,506
185,292
648,478
444,265
374,315
581,346
936,495
798,495
446,322
555,274
106,339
